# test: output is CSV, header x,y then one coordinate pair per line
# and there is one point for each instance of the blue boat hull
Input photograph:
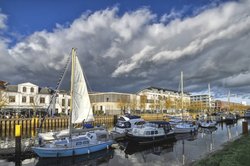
x,y
72,151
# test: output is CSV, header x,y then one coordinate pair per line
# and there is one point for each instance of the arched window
x,y
24,89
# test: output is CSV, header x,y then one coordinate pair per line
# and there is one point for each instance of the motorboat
x,y
185,127
230,118
247,114
208,124
150,132
126,123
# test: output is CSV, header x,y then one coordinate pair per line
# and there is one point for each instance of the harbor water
x,y
183,150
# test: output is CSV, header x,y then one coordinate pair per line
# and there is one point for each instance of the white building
x,y
28,97
162,100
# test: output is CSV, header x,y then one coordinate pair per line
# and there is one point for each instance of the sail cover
x,y
81,107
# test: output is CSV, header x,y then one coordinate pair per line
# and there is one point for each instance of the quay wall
x,y
29,126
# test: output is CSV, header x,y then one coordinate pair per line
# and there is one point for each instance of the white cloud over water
x,y
138,48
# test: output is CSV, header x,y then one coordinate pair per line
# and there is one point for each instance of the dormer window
x,y
31,89
24,89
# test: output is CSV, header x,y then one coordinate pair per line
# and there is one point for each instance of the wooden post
x,y
245,127
3,127
115,120
18,145
24,127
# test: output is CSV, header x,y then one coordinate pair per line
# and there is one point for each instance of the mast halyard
x,y
73,54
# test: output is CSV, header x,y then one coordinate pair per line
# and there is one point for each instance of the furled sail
x,y
81,107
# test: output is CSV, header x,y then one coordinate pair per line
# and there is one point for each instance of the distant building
x,y
202,102
226,106
162,100
113,102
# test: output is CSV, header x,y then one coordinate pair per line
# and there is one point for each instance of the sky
x,y
126,46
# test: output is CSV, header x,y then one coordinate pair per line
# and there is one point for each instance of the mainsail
x,y
81,107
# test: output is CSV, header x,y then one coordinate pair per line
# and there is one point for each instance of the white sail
x,y
81,107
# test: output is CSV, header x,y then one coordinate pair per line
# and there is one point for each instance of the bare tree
x,y
143,101
3,99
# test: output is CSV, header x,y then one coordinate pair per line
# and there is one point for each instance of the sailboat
x,y
208,123
184,127
68,142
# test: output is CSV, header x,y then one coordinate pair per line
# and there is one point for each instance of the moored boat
x,y
151,132
208,124
66,143
124,124
247,114
185,127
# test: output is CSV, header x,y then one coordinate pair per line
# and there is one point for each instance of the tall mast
x,y
73,54
209,97
182,94
228,99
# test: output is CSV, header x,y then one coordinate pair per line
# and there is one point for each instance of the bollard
x,y
245,127
18,145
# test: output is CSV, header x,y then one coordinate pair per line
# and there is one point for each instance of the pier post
x,y
18,145
245,127
115,119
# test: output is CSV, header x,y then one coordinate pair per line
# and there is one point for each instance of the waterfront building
x,y
202,102
154,99
229,106
111,103
28,99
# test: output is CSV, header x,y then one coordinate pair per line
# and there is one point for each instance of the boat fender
x,y
88,151
107,147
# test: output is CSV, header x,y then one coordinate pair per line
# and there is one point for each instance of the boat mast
x,y
228,100
73,54
209,97
182,93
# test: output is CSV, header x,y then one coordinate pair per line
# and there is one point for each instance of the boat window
x,y
152,132
156,132
147,132
123,124
78,143
85,142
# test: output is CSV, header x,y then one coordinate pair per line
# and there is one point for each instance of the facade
x,y
162,100
111,103
202,102
29,98
229,106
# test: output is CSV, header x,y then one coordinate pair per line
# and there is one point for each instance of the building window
x,y
32,89
63,102
24,99
42,100
31,99
24,89
12,99
69,102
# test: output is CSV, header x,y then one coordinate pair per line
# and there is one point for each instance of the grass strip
x,y
236,153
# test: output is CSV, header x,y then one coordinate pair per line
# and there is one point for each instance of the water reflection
x,y
92,159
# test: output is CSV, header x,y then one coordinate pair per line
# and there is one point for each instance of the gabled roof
x,y
27,84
